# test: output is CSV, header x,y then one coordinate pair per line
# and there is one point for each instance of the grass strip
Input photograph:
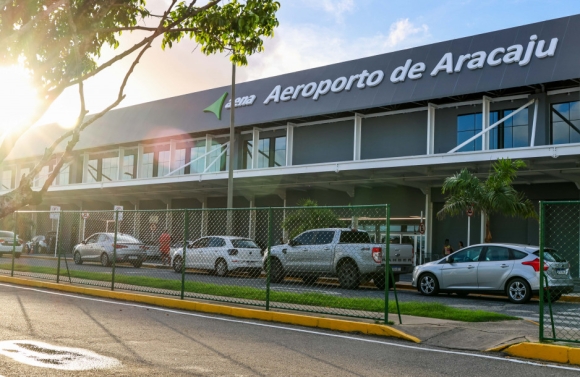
x,y
420,309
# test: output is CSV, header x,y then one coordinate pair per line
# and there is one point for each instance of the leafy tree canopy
x,y
309,216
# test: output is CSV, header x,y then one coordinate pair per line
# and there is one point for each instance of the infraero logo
x,y
217,106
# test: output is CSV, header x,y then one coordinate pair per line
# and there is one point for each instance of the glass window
x,y
354,237
197,151
147,165
271,152
164,163
217,242
496,253
249,147
467,126
180,161
323,237
128,167
202,242
6,179
515,129
263,153
566,122
470,254
304,239
516,254
217,162
280,151
551,256
63,176
103,238
42,176
110,169
244,244
512,133
93,238
127,238
93,171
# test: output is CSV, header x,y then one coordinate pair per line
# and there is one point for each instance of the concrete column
x,y
139,161
357,136
428,224
85,167
208,146
172,148
121,162
289,143
486,104
252,220
136,220
431,128
482,235
255,149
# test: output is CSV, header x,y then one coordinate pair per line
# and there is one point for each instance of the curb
x,y
288,318
544,352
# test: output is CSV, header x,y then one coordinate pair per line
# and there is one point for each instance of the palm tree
x,y
495,195
309,216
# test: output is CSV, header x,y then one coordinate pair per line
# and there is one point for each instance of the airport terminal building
x,y
384,129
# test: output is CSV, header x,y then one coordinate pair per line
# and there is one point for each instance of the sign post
x,y
421,232
85,216
55,215
120,210
469,215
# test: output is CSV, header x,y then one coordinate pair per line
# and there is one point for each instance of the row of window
x,y
514,132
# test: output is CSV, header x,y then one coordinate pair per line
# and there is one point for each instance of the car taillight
x,y
535,264
121,246
377,254
233,251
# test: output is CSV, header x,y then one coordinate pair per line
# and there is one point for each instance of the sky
x,y
312,33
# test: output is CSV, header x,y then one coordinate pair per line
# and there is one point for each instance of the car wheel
x,y
379,282
277,274
221,268
349,275
310,279
519,291
77,258
105,260
428,285
178,264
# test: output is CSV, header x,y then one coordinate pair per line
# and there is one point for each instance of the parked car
x,y
7,243
510,269
42,244
347,254
100,247
220,254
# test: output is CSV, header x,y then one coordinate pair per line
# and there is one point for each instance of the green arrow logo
x,y
217,106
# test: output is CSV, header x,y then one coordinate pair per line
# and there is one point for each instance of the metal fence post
x,y
387,260
15,218
185,237
114,250
269,259
542,228
59,247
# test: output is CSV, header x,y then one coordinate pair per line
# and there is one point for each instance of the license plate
x,y
133,257
562,271
396,269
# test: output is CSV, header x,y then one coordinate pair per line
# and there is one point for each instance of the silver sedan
x,y
510,269
100,247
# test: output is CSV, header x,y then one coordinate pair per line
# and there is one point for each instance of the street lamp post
x,y
230,201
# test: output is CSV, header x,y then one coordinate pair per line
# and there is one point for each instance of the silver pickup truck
x,y
344,253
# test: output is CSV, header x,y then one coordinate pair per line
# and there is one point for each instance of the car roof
x,y
517,246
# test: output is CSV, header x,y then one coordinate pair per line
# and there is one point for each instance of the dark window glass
x,y
354,237
323,237
516,255
565,122
102,238
203,242
515,130
496,253
551,256
304,239
217,242
470,254
244,244
512,133
271,152
93,238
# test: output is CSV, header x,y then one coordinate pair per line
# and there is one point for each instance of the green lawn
x,y
421,309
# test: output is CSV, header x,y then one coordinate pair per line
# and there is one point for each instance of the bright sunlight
x,y
18,98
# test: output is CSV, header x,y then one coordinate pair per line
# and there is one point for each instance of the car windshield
x,y
125,238
551,255
354,237
244,244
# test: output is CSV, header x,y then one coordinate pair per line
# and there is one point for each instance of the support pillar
x,y
121,170
431,128
357,136
289,143
139,161
255,149
428,224
85,167
486,104
482,235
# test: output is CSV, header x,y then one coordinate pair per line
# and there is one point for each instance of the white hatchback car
x,y
510,269
7,243
220,254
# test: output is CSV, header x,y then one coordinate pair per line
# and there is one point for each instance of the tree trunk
x,y
18,199
487,229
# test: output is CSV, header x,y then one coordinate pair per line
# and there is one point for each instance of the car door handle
x,y
504,266
470,267
284,251
365,249
328,248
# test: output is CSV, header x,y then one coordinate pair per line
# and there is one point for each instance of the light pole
x,y
230,201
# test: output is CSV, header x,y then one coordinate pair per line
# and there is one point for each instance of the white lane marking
x,y
299,330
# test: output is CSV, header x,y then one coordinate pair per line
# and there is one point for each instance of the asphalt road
x,y
155,341
473,302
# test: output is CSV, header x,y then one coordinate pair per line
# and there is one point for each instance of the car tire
x,y
77,258
428,285
105,262
348,275
277,273
221,268
178,264
310,279
518,291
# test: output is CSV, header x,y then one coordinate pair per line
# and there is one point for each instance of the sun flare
x,y
18,98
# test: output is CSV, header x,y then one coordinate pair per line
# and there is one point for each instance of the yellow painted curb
x,y
545,352
570,299
294,319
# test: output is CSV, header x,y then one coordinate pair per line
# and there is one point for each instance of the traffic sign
x,y
120,209
153,227
54,212
422,228
85,215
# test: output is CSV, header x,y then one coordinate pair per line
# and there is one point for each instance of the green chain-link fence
x,y
560,276
315,259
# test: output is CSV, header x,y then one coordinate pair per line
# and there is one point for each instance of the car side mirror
x,y
292,243
449,259
84,242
